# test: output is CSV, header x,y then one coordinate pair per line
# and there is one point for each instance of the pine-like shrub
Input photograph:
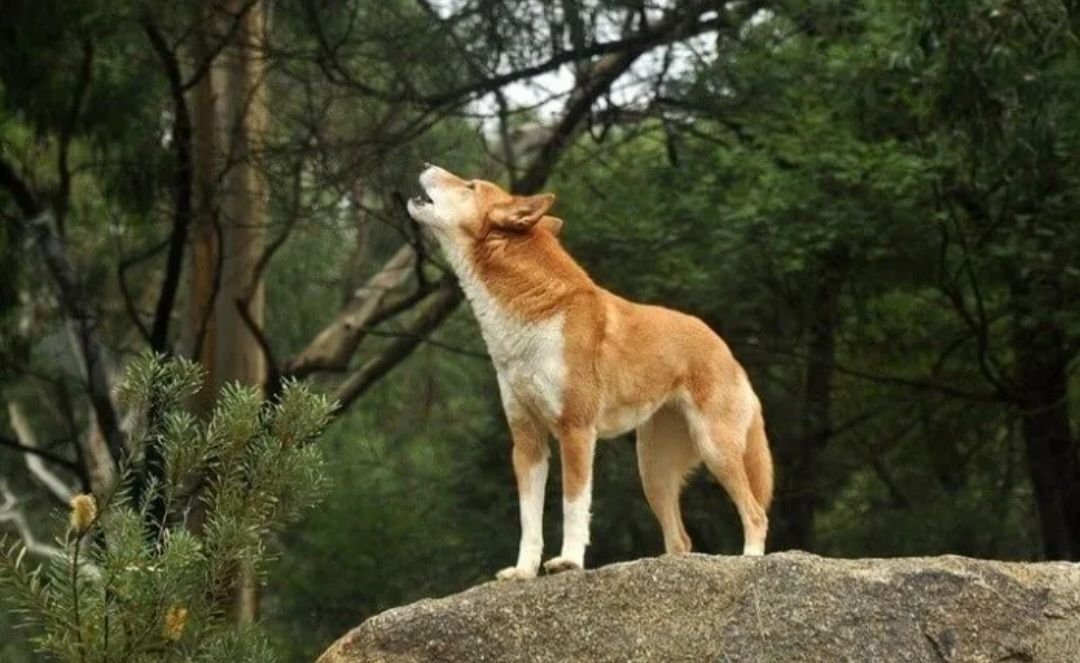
x,y
150,569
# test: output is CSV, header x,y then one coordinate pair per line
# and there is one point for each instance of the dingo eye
x,y
471,186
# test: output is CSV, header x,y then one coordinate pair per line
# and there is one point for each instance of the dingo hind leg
x,y
666,455
721,439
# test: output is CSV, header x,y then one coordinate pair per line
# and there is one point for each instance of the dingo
x,y
579,362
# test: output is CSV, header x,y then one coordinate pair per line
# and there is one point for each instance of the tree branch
x,y
38,224
978,323
275,244
42,453
10,513
581,102
335,344
433,311
597,79
125,290
55,485
182,187
680,23
67,131
273,377
895,380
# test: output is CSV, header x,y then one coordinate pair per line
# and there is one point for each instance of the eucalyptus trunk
x,y
226,301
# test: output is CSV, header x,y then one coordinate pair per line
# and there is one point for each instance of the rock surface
x,y
783,607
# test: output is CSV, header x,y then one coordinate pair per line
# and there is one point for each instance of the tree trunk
x,y
1042,384
199,327
800,459
245,207
237,355
229,109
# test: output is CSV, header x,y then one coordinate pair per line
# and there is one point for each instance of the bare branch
x,y
99,469
39,224
681,23
279,241
596,80
435,343
674,28
10,513
977,322
67,131
335,344
125,290
182,186
273,373
55,485
433,311
602,75
44,454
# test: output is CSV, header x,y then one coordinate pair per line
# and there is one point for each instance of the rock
x,y
782,607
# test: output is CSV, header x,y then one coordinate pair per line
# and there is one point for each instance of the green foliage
x,y
918,154
148,574
921,154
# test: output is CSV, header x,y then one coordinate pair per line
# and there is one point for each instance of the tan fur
x,y
626,365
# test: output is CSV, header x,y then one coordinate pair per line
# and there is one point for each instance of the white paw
x,y
515,573
560,564
751,550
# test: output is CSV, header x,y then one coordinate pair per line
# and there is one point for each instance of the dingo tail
x,y
758,461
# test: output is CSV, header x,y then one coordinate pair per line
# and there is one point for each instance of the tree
x,y
1008,199
225,147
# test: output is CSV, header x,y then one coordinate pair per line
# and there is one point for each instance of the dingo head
x,y
473,208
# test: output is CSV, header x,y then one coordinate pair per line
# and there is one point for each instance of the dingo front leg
x,y
530,458
576,448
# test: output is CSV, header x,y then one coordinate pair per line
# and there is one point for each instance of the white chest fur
x,y
528,355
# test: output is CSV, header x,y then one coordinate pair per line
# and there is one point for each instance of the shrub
x,y
150,569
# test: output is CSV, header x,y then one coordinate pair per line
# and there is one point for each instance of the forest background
x,y
874,202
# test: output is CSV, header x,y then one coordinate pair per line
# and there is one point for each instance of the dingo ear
x,y
522,212
552,224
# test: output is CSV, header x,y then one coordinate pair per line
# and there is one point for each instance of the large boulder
x,y
783,607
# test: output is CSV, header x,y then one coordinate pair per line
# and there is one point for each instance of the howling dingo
x,y
579,362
